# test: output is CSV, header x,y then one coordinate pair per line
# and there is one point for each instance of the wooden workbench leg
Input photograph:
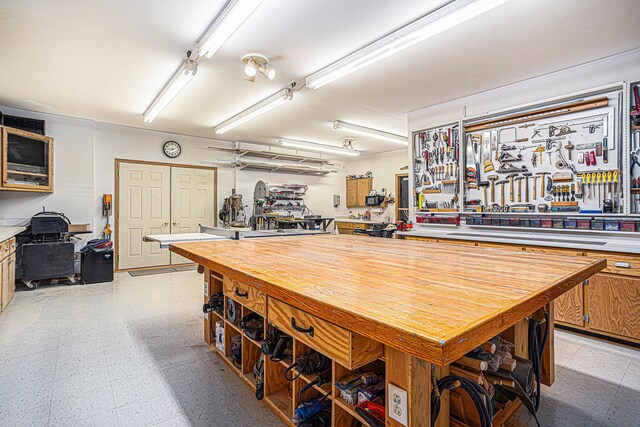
x,y
443,421
207,316
518,334
548,368
414,376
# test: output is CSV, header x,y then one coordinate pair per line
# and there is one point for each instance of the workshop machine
x,y
45,250
283,207
232,213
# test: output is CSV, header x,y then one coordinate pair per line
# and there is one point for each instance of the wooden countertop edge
x,y
513,316
432,350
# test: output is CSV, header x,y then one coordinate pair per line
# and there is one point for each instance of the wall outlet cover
x,y
398,405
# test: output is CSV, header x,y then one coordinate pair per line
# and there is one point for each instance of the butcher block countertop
x,y
434,301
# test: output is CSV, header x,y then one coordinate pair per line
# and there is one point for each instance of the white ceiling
x,y
107,60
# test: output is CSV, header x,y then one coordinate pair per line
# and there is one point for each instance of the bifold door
x,y
144,207
192,193
159,199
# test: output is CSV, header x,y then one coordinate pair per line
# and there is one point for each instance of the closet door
x,y
192,202
143,208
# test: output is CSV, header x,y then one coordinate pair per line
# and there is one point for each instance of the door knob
x,y
176,224
164,224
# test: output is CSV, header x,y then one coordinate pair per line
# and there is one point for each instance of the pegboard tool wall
x,y
557,157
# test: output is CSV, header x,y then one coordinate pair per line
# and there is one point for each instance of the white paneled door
x,y
144,207
160,199
192,194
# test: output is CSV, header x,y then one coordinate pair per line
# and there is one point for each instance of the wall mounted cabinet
x,y
26,161
357,190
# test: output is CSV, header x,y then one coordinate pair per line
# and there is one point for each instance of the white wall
x,y
623,67
84,170
383,167
73,173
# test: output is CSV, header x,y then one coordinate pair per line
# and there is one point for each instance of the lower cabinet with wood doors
x,y
7,272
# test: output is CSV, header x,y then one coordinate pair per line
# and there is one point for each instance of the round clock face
x,y
171,149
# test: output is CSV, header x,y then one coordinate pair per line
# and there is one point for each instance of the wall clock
x,y
171,149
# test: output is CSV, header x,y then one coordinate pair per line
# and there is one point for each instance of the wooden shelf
x,y
254,342
324,389
236,327
230,362
282,402
248,377
350,409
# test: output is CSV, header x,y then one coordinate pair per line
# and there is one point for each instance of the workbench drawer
x,y
624,264
7,247
345,347
246,295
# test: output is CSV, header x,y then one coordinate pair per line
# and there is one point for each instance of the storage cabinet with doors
x,y
357,190
158,198
26,161
7,272
614,305
348,227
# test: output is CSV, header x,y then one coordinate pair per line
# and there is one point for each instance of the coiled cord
x,y
537,342
478,394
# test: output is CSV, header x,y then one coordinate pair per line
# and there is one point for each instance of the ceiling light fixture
x,y
235,12
312,146
179,80
373,133
436,22
261,107
254,63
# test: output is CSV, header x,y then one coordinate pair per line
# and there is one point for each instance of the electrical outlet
x,y
398,406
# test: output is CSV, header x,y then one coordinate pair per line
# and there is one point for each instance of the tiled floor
x,y
130,353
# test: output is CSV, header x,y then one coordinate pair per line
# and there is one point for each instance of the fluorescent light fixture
x,y
179,80
436,22
312,146
235,12
373,133
254,111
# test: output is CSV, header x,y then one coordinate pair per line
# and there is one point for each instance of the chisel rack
x,y
436,154
562,158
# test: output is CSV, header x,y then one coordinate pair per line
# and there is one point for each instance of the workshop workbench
x,y
407,304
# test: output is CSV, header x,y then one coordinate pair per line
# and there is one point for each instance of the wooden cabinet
x,y
614,305
348,227
357,190
7,272
26,161
569,307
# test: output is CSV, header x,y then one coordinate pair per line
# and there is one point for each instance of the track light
x,y
254,63
261,107
312,146
438,21
372,133
251,69
235,12
179,80
268,72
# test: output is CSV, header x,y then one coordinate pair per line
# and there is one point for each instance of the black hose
x,y
479,396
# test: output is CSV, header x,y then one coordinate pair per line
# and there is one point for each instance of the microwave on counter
x,y
375,200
